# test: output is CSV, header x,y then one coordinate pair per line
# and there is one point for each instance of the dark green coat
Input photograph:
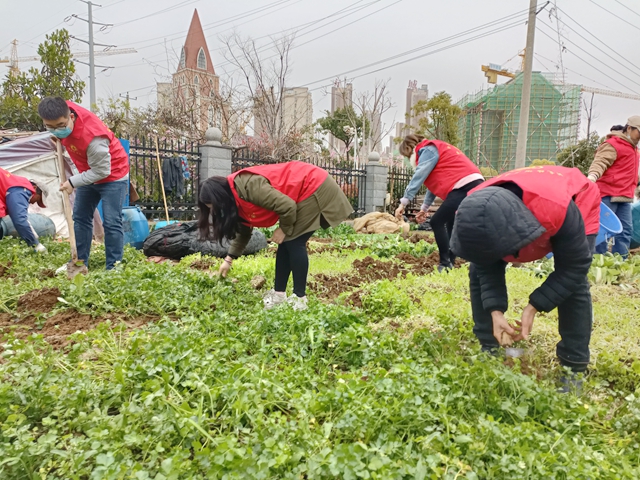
x,y
328,206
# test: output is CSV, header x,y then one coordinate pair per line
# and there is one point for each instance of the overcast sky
x,y
355,34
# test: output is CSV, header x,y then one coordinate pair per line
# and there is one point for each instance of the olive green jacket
x,y
327,206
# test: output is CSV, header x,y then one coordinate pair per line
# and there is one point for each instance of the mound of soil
x,y
57,328
418,235
4,270
369,270
39,301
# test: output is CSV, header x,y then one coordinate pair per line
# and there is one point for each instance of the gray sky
x,y
380,29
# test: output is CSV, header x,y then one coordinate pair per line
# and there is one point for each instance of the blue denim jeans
x,y
112,195
622,241
17,201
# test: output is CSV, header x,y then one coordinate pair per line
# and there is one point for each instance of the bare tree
x,y
588,108
264,80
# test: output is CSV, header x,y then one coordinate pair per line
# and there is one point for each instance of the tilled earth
x,y
369,270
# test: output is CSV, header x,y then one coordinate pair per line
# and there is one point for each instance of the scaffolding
x,y
489,121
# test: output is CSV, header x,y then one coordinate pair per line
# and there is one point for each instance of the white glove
x,y
592,178
40,248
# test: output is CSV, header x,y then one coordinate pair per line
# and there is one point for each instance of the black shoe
x,y
570,383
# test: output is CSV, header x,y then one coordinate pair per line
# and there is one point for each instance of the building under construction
x,y
489,123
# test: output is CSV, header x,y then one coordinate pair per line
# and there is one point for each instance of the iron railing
x,y
180,167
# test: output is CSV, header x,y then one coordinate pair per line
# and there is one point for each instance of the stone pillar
x,y
216,158
376,190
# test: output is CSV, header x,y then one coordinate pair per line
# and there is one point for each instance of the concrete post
x,y
216,158
376,190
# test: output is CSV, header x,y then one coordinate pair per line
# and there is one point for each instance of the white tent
x,y
34,157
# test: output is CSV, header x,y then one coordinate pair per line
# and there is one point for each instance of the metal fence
x,y
180,170
398,180
352,180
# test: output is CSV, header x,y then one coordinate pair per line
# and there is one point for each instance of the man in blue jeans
x,y
104,172
615,171
16,193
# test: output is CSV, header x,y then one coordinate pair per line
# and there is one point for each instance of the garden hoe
x,y
75,266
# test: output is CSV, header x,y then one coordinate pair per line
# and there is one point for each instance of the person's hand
x,y
225,267
40,248
66,187
278,236
592,178
501,329
526,323
399,212
421,217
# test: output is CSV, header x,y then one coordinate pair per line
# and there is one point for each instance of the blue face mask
x,y
60,132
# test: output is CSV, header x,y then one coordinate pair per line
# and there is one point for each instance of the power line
x,y
593,56
597,38
462,42
577,73
611,13
585,61
432,44
632,11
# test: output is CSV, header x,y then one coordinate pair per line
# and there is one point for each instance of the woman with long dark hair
x,y
447,173
301,196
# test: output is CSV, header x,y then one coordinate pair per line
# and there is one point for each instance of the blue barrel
x,y
42,224
164,223
136,227
610,224
635,215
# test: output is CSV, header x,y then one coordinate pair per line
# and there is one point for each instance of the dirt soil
x,y
369,270
39,301
57,328
4,270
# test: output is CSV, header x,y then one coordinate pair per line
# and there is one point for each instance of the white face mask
x,y
412,160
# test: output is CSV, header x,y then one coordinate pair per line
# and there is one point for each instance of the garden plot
x,y
207,384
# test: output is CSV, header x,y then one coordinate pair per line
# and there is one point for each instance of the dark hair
x,y
617,128
224,221
52,108
409,144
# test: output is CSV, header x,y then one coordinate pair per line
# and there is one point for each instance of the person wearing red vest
x,y
16,193
521,216
447,173
615,171
103,168
300,196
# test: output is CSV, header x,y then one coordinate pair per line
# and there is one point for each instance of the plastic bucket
x,y
42,224
136,227
164,223
609,224
635,233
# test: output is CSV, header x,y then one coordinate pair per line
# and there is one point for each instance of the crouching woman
x,y
301,196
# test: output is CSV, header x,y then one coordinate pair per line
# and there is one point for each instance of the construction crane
x,y
14,60
610,93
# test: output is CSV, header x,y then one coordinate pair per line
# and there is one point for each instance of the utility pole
x,y
128,106
92,65
525,102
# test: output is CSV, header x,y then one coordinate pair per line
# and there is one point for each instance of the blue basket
x,y
609,224
635,234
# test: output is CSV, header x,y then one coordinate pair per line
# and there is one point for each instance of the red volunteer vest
x,y
7,181
621,178
297,180
87,126
546,192
452,166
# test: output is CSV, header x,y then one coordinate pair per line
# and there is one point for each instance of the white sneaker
x,y
298,303
273,299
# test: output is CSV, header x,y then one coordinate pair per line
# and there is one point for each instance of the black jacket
x,y
496,224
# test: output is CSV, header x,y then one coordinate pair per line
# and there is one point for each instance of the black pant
x,y
442,221
292,257
575,321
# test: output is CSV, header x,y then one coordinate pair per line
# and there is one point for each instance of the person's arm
x,y
426,163
493,286
572,258
256,189
99,160
605,156
428,200
239,243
